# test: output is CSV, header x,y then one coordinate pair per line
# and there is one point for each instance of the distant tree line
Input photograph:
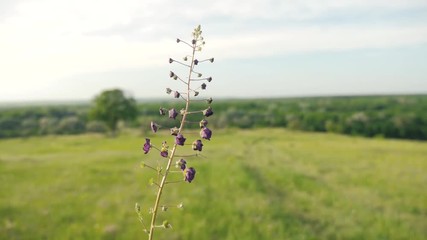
x,y
102,116
32,121
370,116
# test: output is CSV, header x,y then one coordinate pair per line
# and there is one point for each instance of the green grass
x,y
260,184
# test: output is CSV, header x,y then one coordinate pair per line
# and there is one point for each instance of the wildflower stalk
x,y
165,152
163,182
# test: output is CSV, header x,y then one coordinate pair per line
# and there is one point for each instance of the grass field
x,y
254,184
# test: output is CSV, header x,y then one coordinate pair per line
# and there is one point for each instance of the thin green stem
x,y
193,112
178,181
150,167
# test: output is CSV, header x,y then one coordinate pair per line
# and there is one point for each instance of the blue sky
x,y
72,50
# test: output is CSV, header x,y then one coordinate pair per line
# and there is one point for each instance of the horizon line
x,y
52,102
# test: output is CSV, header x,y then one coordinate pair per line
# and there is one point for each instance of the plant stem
x,y
172,155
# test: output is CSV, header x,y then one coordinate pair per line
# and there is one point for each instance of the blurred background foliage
x,y
402,117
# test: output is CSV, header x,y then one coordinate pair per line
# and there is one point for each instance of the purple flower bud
x,y
209,79
174,131
181,164
178,40
208,112
196,93
171,74
190,173
206,133
203,123
154,126
193,41
209,100
196,62
197,145
173,113
204,86
147,146
180,139
176,94
162,111
212,60
170,60
168,90
164,151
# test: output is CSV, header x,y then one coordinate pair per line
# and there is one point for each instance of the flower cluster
x,y
189,93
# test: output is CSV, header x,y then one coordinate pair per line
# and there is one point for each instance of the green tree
x,y
111,106
70,125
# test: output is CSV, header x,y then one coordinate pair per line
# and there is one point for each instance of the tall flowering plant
x,y
193,83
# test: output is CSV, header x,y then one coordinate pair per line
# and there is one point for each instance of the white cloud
x,y
305,39
43,41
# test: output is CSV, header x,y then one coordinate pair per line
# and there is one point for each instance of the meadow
x,y
268,183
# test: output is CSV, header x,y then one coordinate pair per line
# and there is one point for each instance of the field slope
x,y
253,184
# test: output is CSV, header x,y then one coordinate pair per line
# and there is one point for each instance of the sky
x,y
58,50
